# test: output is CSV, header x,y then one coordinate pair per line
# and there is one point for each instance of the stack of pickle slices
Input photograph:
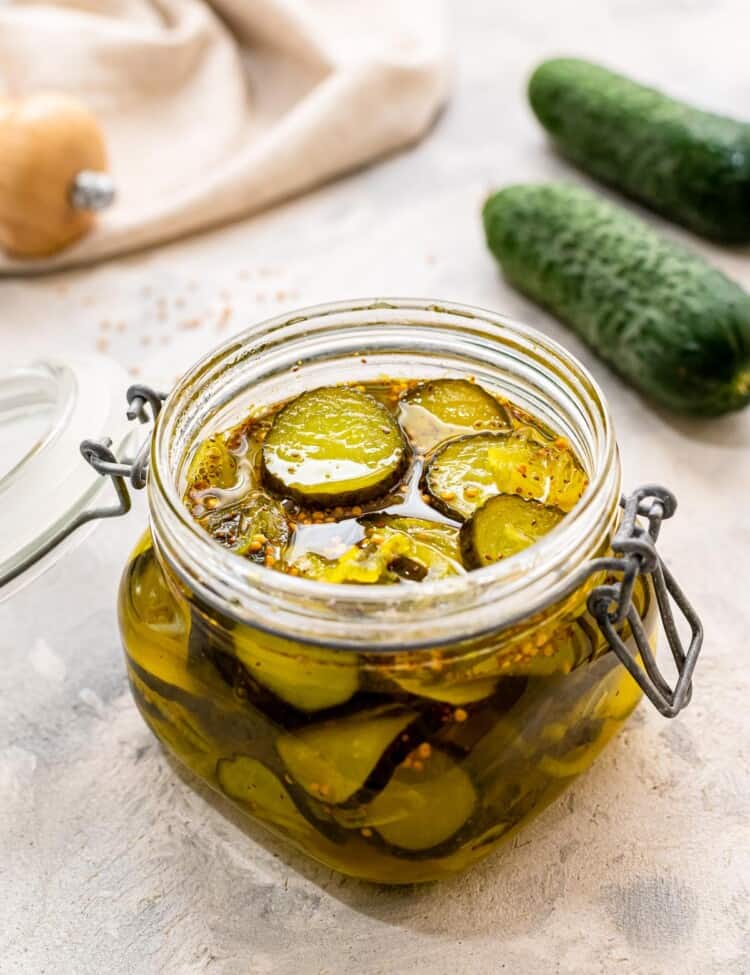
x,y
391,482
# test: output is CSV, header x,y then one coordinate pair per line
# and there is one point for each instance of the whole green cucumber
x,y
665,320
691,166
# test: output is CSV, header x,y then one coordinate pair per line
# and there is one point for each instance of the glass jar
x,y
393,733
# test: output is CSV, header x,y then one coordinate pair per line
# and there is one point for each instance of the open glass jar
x,y
394,733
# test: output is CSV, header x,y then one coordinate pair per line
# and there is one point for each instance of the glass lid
x,y
46,409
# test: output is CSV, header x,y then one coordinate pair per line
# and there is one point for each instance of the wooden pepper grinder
x,y
53,173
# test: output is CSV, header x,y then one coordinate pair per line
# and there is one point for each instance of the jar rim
x,y
348,615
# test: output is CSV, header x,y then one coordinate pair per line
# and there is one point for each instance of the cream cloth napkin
x,y
213,109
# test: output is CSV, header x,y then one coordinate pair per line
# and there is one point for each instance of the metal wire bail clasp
x,y
611,605
98,453
144,405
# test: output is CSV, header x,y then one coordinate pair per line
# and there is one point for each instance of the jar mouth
x,y
278,358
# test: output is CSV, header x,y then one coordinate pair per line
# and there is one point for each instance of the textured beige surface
x,y
112,862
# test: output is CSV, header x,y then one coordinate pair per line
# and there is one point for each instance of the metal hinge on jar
x,y
634,548
611,605
144,406
98,453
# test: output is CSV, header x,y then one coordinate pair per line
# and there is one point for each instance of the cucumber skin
x,y
667,322
691,166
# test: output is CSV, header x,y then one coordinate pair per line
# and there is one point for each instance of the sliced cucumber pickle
x,y
567,647
310,679
371,483
466,472
249,783
459,478
156,624
332,760
249,527
482,717
331,446
547,472
175,726
441,408
438,536
575,763
425,803
430,550
371,561
503,526
367,563
213,466
437,679
394,549
435,687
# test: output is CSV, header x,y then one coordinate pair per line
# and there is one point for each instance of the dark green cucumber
x,y
665,320
692,166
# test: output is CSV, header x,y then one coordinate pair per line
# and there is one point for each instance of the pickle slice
x,y
424,804
547,472
436,680
572,765
504,525
334,445
435,535
367,563
563,650
437,689
458,478
156,626
253,526
427,550
332,761
441,408
394,549
213,466
463,736
466,472
308,678
256,789
370,561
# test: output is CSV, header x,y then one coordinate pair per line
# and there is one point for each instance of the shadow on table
x,y
730,430
510,893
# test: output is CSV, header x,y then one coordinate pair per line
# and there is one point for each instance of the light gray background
x,y
113,862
